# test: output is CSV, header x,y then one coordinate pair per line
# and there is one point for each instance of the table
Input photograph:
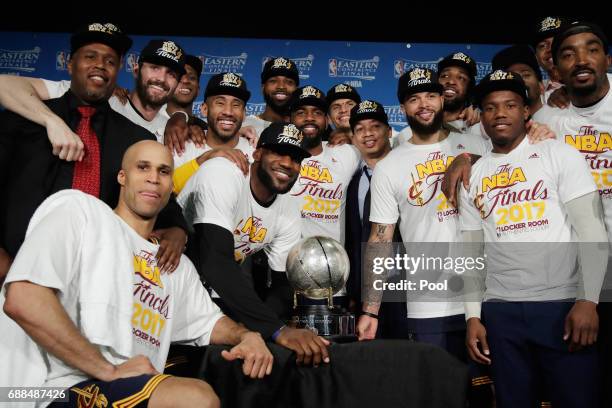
x,y
378,373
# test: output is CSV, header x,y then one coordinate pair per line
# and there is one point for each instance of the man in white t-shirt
x,y
527,203
100,316
406,189
225,99
279,79
234,217
160,66
320,190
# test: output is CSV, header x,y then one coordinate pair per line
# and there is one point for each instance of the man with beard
x,y
225,99
279,79
406,186
320,190
234,217
30,169
325,175
538,303
457,75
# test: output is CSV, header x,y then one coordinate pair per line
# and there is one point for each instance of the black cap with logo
x,y
342,91
459,59
417,80
284,137
500,80
309,96
165,53
368,109
227,83
107,34
280,66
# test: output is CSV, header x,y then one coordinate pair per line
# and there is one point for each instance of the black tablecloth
x,y
380,374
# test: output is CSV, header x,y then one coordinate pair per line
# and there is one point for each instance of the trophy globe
x,y
317,268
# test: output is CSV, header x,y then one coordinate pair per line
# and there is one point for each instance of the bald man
x,y
95,315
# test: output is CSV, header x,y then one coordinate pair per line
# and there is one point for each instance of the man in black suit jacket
x,y
371,135
29,170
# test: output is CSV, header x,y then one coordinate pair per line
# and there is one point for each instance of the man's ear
x,y
121,177
257,155
526,112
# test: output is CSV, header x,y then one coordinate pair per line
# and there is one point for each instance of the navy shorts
x,y
128,392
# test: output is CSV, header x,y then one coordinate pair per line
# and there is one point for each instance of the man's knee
x,y
177,392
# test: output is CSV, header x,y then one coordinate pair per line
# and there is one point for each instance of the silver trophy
x,y
317,268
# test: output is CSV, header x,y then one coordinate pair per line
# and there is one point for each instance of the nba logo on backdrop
x,y
333,67
131,61
61,60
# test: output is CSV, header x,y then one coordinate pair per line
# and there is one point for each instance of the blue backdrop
x,y
372,68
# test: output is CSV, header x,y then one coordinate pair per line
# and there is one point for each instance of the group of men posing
x,y
95,296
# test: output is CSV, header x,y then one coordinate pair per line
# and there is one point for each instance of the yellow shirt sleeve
x,y
182,174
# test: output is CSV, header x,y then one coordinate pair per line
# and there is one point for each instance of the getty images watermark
x,y
459,272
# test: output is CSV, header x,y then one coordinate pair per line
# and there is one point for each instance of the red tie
x,y
87,172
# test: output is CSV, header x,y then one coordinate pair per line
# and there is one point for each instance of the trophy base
x,y
333,324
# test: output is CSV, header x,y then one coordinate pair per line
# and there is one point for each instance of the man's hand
x,y
458,171
5,264
339,137
172,242
249,133
559,98
366,327
470,115
537,132
176,133
258,360
310,348
234,155
477,334
66,144
121,94
197,135
581,325
138,365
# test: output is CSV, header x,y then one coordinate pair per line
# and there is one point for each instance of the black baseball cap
x,y
547,27
309,96
459,59
577,27
417,80
500,80
516,54
342,91
165,53
283,137
227,83
195,63
280,66
368,109
107,34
